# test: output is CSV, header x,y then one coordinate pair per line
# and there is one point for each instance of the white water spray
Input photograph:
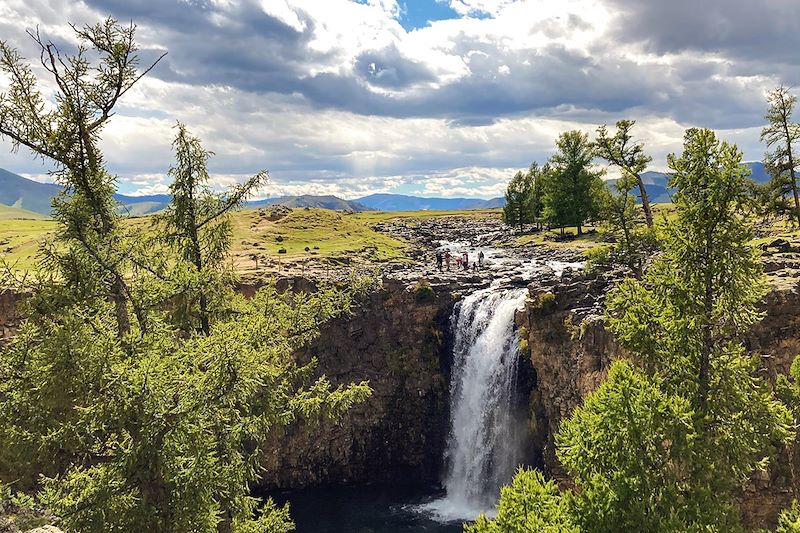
x,y
484,447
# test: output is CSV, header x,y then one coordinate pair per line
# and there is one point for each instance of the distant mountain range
x,y
402,202
34,196
22,193
657,183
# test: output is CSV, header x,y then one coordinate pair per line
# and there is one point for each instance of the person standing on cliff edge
x,y
439,260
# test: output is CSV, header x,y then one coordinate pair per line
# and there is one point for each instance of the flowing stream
x,y
484,446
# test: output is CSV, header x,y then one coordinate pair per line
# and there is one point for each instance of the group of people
x,y
443,260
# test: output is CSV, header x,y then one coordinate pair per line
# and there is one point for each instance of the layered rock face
x,y
398,340
569,348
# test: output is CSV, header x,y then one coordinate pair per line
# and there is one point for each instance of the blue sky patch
x,y
418,13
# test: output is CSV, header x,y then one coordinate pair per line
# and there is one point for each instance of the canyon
x,y
401,337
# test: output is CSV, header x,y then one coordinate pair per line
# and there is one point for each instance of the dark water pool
x,y
373,509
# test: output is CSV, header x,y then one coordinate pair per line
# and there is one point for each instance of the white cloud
x,y
336,97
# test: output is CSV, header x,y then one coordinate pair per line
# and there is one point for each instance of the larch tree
x,y
89,85
525,196
781,135
518,210
633,242
160,423
573,192
628,156
197,225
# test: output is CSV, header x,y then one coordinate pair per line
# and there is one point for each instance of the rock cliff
x,y
398,340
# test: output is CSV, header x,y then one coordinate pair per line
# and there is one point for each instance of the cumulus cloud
x,y
338,97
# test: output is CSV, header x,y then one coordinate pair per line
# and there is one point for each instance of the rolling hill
x,y
324,202
22,193
15,213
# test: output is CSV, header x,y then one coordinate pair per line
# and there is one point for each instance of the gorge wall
x,y
397,339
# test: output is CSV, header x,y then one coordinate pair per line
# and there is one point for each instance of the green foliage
x,y
543,303
525,196
633,242
519,195
679,321
529,505
627,155
624,448
599,256
573,192
789,520
197,226
158,423
89,85
166,435
19,511
423,292
522,338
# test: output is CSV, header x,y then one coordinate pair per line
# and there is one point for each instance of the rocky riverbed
x,y
504,263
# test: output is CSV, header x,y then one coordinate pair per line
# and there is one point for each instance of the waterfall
x,y
484,447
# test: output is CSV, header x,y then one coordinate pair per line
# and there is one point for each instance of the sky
x,y
426,97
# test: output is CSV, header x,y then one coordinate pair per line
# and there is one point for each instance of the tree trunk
x,y
225,525
707,341
792,176
120,306
793,179
648,213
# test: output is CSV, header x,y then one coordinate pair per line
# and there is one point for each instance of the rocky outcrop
x,y
569,348
397,339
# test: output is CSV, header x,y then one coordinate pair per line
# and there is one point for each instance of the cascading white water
x,y
483,448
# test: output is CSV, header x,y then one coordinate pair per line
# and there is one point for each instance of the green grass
x,y
547,238
335,236
327,234
662,213
20,238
